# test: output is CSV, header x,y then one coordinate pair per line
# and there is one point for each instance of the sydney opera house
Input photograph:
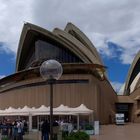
x,y
132,88
84,79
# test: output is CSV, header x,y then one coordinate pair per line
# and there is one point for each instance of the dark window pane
x,y
45,50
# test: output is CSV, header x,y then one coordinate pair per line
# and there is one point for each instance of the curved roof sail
x,y
70,42
133,78
79,35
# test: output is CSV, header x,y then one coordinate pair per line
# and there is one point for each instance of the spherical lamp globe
x,y
51,69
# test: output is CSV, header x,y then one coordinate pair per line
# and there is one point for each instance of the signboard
x,y
96,127
122,107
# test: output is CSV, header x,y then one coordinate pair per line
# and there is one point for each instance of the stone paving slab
x,y
119,132
35,136
107,132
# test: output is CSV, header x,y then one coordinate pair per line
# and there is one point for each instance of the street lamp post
x,y
50,71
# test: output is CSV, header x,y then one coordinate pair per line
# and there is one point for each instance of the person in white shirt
x,y
20,126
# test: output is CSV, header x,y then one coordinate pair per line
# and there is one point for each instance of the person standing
x,y
55,130
20,130
15,130
45,129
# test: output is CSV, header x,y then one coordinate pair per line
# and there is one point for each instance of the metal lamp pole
x,y
51,108
51,70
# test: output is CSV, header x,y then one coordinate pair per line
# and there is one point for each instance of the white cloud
x,y
2,76
13,15
129,42
121,91
101,20
118,87
100,40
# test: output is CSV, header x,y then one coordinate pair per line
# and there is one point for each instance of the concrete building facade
x,y
132,88
83,81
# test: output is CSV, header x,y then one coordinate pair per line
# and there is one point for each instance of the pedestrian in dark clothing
x,y
45,129
15,131
55,130
20,130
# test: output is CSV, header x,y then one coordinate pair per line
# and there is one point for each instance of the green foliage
x,y
78,136
89,127
4,138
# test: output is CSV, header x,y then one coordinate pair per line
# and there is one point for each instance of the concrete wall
x,y
135,117
96,95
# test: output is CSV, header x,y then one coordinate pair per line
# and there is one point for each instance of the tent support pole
x,y
78,117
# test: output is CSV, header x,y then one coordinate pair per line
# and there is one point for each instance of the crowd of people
x,y
62,128
13,129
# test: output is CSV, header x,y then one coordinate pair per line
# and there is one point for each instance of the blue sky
x,y
112,26
7,63
115,70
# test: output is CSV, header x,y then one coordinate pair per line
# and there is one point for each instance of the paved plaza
x,y
33,136
107,132
119,132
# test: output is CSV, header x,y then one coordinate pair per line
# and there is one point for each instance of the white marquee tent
x,y
43,110
82,109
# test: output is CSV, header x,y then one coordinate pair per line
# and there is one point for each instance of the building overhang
x,y
132,73
93,69
30,33
124,100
